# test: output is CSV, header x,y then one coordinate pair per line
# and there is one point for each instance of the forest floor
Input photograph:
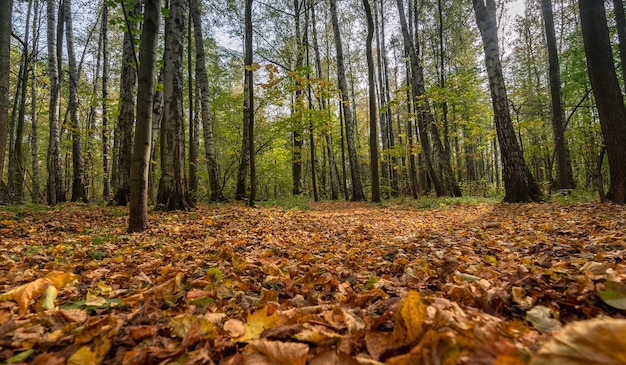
x,y
327,283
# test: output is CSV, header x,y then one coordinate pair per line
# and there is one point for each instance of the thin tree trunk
x,y
106,148
564,175
126,119
55,170
608,95
373,110
519,183
248,101
78,184
6,12
138,217
357,188
310,101
297,108
157,117
173,193
334,175
37,195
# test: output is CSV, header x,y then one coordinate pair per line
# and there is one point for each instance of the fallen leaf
x,y
541,318
265,352
614,294
256,323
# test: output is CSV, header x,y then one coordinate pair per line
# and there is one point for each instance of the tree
x,y
373,140
6,12
426,122
138,217
106,150
248,101
78,185
357,187
564,175
126,118
55,171
620,24
519,183
205,100
172,193
609,98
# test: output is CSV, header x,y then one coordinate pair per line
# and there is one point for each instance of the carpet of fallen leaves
x,y
337,283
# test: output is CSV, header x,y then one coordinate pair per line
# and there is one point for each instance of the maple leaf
x,y
47,286
258,322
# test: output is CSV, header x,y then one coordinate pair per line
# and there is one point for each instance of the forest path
x,y
333,282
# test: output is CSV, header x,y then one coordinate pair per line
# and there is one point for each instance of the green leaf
x,y
614,294
21,357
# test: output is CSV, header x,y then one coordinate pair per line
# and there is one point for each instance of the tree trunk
x,y
55,170
357,188
298,106
334,175
157,117
138,217
173,194
373,109
608,95
310,104
126,119
194,141
248,101
37,195
519,184
106,148
78,184
564,175
6,12
205,105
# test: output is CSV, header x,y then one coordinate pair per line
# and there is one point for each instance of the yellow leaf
x,y
60,279
94,300
84,356
257,323
409,318
49,297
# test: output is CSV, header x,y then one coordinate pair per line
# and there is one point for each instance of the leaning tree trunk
x,y
620,24
138,217
55,170
564,175
519,184
126,118
609,98
445,184
205,105
357,188
172,193
78,184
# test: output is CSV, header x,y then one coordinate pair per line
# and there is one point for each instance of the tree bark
x,y
205,105
173,193
194,141
620,24
37,195
78,184
334,174
248,101
519,184
564,175
138,217
106,148
357,188
608,95
55,171
6,12
126,118
310,104
373,110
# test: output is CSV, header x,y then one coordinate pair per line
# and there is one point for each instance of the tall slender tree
x,y
78,184
128,95
248,100
138,217
519,183
348,115
55,190
564,175
6,16
172,193
607,92
373,109
106,148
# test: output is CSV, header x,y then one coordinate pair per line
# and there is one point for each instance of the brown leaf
x,y
265,352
